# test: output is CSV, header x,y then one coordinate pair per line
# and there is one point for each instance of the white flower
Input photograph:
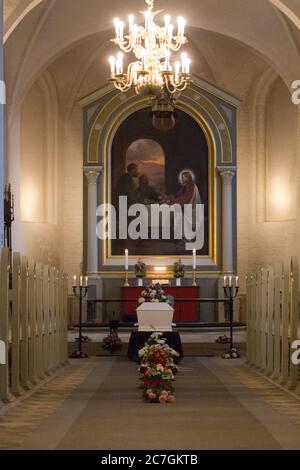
x,y
141,300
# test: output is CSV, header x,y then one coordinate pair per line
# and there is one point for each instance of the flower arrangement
x,y
153,293
84,339
158,370
140,269
178,270
112,342
223,339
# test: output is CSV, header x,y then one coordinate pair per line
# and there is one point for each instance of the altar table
x,y
183,311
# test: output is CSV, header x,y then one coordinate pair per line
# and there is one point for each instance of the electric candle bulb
x,y
181,25
74,281
167,21
167,59
112,62
183,61
116,23
170,30
131,23
121,29
177,71
81,279
86,281
187,65
119,64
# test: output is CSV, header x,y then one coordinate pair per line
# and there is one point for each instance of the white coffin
x,y
155,316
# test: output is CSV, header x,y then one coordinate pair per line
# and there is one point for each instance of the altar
x,y
184,311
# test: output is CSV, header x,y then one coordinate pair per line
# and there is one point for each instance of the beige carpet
x,y
217,407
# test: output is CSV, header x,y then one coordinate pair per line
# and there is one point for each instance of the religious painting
x,y
153,167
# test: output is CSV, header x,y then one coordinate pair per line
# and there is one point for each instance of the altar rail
x,y
33,323
273,322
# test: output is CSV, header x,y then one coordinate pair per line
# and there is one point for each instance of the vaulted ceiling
x,y
231,41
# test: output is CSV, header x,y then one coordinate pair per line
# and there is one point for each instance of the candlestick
x,y
126,283
194,278
79,292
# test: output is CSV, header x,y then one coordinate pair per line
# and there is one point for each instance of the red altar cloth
x,y
184,311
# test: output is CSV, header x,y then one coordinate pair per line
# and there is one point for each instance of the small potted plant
x,y
178,270
140,272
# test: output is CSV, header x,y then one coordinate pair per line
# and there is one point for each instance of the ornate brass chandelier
x,y
152,73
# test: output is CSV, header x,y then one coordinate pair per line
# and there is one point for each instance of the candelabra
x,y
80,292
231,292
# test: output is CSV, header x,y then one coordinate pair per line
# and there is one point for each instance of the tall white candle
x,y
237,281
225,281
194,259
126,260
230,281
86,281
74,281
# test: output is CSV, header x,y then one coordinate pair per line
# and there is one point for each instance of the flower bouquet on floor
x,y
112,342
84,339
157,370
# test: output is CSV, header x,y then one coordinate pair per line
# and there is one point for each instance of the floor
x,y
96,404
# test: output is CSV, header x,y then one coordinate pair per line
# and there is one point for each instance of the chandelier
x,y
152,73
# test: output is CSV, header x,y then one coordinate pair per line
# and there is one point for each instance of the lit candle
x,y
167,58
187,65
237,281
194,259
183,60
126,260
117,23
81,279
230,281
131,23
119,63
225,281
181,25
121,30
74,281
112,62
86,281
177,71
